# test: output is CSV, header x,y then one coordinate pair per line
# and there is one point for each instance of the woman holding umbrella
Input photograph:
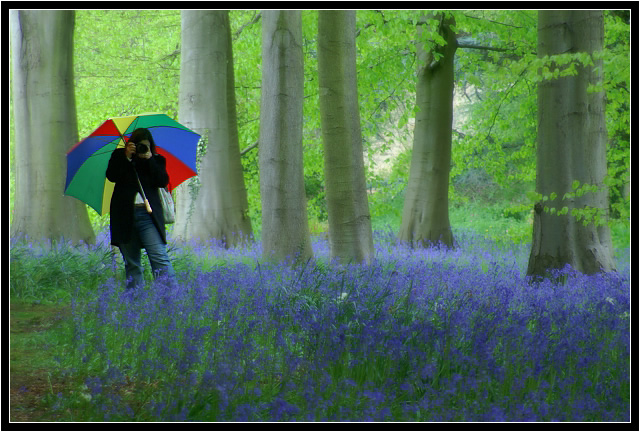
x,y
137,219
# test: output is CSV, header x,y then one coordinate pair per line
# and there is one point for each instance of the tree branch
x,y
251,147
493,21
366,26
483,47
254,20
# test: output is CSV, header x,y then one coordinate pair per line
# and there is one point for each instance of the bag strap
x,y
144,197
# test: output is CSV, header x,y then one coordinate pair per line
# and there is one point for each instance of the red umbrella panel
x,y
87,161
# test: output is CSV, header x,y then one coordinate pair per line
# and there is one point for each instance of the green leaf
x,y
474,80
403,120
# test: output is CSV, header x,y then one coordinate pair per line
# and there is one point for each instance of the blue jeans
x,y
145,235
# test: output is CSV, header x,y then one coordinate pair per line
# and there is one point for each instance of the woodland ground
x,y
35,324
31,365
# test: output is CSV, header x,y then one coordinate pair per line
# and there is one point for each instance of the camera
x,y
141,148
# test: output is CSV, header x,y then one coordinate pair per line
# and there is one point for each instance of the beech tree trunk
x,y
45,127
350,235
425,215
213,205
285,227
571,152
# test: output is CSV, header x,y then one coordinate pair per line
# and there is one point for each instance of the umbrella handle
x,y
146,204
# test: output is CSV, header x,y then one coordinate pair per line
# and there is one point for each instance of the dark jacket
x,y
152,174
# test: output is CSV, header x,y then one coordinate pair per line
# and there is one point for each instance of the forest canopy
x,y
128,61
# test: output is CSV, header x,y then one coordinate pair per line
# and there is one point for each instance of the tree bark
x,y
213,205
46,127
350,235
572,141
425,215
285,227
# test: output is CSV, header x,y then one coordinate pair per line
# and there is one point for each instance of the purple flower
x,y
424,335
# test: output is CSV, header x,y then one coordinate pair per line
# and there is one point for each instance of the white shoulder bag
x,y
167,206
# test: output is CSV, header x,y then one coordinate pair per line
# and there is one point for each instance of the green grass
x,y
53,273
489,221
38,336
494,221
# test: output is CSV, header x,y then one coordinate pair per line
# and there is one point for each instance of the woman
x,y
132,226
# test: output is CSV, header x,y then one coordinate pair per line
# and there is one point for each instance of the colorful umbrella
x,y
87,161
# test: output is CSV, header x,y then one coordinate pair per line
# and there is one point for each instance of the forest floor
x,y
32,360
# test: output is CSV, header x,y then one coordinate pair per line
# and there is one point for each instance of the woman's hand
x,y
130,150
147,155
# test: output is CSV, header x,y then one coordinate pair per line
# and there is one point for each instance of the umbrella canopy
x,y
87,161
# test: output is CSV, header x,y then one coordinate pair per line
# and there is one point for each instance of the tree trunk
x,y
350,236
572,141
285,227
213,205
46,127
425,216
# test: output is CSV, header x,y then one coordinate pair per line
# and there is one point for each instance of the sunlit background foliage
x,y
128,62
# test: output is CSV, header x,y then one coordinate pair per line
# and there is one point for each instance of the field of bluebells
x,y
418,335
